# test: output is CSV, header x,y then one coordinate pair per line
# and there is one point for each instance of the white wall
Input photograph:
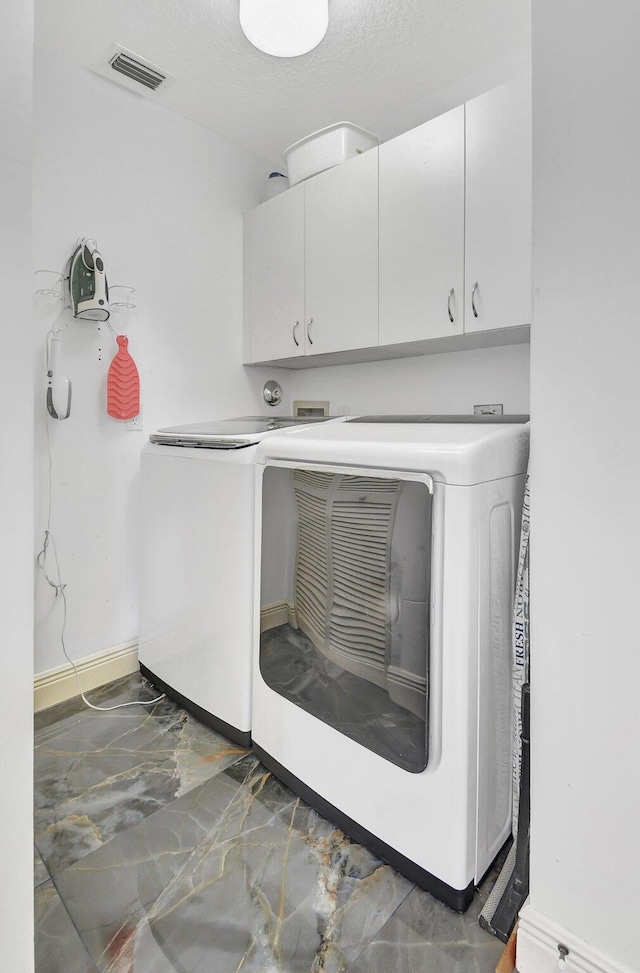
x,y
163,197
428,384
16,490
585,527
464,88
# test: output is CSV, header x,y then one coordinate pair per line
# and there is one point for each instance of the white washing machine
x,y
197,565
382,668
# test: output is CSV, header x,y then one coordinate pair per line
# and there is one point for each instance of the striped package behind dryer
x,y
520,658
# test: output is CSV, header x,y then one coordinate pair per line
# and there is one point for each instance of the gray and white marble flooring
x,y
40,873
165,848
99,774
58,945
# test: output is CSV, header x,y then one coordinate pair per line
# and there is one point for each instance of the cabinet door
x,y
341,256
277,277
498,208
422,231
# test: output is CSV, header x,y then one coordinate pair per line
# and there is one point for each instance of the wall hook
x,y
50,291
121,305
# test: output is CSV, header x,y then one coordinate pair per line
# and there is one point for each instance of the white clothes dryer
x,y
197,565
382,668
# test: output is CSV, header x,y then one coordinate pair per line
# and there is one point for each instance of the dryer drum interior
x,y
345,603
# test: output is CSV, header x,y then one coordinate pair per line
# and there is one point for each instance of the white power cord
x,y
59,587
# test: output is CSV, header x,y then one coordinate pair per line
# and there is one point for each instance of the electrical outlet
x,y
488,410
135,424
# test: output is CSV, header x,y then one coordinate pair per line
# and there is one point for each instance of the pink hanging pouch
x,y
123,383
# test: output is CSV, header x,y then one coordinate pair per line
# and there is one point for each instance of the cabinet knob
x,y
294,334
473,299
309,338
449,305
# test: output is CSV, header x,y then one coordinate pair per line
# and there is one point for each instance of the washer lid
x,y
233,433
457,453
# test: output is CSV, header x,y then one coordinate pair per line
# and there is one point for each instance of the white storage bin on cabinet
x,y
325,149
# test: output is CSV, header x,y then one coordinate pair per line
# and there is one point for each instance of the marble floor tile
x,y
40,873
237,874
98,774
123,690
58,948
486,957
424,936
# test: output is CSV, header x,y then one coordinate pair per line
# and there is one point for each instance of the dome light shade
x,y
284,28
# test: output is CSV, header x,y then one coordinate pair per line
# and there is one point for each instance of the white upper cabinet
x,y
277,325
498,208
422,231
422,245
341,256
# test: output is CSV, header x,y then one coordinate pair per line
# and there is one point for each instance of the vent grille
x,y
137,71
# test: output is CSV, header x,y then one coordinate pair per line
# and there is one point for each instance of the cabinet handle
x,y
473,299
309,338
449,305
294,334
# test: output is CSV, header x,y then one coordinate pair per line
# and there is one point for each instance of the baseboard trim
x,y
58,685
279,613
538,939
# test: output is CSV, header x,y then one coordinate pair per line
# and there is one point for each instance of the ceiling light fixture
x,y
284,28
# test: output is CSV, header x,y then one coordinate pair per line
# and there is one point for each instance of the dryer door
x,y
345,602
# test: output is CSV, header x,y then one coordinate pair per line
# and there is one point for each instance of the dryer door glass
x,y
345,595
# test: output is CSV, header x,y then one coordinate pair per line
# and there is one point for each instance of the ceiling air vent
x,y
137,70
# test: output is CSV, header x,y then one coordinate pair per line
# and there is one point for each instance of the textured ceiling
x,y
379,62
